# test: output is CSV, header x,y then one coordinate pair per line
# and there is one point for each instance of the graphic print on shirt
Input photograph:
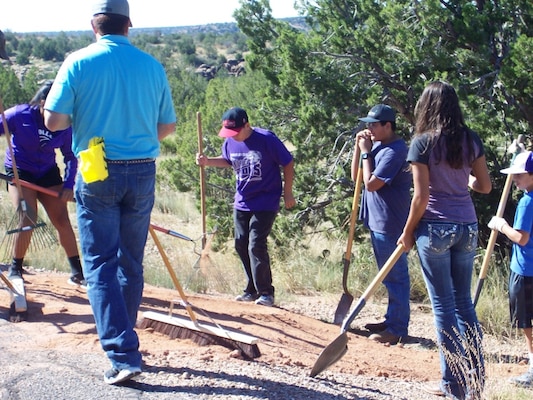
x,y
44,137
247,166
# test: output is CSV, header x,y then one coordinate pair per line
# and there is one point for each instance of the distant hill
x,y
226,27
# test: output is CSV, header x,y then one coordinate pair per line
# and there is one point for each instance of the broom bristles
x,y
202,338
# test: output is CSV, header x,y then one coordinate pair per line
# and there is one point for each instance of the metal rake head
x,y
30,238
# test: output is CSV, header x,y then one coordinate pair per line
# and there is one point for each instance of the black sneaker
x,y
77,280
15,272
114,376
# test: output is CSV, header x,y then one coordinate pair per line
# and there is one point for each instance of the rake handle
x,y
12,153
53,193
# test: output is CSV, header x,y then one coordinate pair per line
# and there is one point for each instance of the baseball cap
x,y
233,121
380,113
522,164
120,7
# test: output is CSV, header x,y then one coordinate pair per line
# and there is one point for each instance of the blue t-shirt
x,y
449,194
256,162
385,210
115,91
522,256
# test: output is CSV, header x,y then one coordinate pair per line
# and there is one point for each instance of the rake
x,y
19,233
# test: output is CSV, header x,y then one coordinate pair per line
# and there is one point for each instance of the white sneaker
x,y
75,280
524,380
114,376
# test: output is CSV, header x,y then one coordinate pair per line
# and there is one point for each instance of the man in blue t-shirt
x,y
256,155
115,95
384,209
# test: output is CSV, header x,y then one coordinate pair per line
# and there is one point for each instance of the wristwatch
x,y
364,156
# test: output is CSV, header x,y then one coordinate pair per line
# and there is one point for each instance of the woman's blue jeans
x,y
396,282
446,252
113,219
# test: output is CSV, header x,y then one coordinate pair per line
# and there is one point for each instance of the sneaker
x,y
433,388
375,328
525,380
15,272
385,337
265,300
77,280
247,297
114,376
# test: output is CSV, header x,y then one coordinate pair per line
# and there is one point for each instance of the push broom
x,y
199,332
175,326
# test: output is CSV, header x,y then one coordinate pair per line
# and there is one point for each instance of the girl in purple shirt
x,y
34,150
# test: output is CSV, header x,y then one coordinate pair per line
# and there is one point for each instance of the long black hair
x,y
438,114
42,93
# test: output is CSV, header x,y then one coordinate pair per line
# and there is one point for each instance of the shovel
x,y
347,298
336,349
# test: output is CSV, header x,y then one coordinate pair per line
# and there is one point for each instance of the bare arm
x,y
55,121
163,130
479,181
418,204
205,161
517,236
288,179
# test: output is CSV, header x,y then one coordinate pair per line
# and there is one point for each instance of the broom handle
x,y
202,178
12,154
173,276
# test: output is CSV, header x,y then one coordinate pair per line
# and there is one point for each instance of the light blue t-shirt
x,y
115,91
522,256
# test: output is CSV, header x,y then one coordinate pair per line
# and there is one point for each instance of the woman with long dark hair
x,y
447,159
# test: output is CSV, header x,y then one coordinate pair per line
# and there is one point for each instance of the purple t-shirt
x,y
385,210
449,195
34,145
256,163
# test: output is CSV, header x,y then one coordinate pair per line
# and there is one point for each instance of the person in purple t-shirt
x,y
256,155
34,150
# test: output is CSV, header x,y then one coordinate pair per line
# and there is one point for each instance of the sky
x,y
74,15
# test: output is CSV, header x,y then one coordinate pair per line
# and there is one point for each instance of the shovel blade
x,y
342,309
331,354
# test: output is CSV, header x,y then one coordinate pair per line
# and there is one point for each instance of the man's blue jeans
x,y
251,233
113,219
446,252
396,282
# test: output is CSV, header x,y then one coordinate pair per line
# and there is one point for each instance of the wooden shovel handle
x,y
202,178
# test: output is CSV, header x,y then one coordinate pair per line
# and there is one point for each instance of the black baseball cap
x,y
380,113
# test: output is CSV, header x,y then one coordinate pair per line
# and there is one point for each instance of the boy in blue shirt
x,y
521,276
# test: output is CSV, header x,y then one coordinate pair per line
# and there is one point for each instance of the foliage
x,y
359,53
311,85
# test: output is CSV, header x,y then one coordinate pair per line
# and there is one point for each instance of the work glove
x,y
497,223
